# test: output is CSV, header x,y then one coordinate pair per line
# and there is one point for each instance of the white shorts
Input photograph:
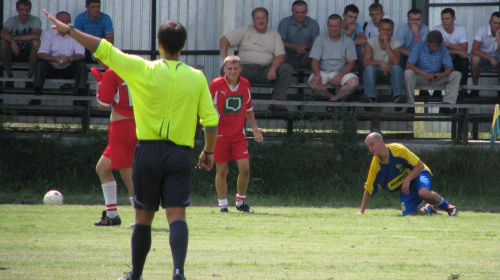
x,y
327,76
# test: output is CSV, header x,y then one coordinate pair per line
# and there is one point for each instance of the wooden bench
x,y
460,120
81,111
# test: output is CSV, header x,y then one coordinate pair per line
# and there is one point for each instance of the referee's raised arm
x,y
88,41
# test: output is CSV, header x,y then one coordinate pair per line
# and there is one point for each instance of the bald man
x,y
395,168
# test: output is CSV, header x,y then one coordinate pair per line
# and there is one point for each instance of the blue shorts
x,y
485,65
411,201
161,173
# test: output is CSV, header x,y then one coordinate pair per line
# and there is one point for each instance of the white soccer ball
x,y
53,197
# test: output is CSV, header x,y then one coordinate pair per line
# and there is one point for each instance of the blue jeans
x,y
373,76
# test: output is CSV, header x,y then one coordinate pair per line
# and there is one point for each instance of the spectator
x,y
381,61
298,32
411,33
262,54
20,40
233,101
333,60
456,41
370,27
95,23
351,28
485,51
424,67
60,56
395,168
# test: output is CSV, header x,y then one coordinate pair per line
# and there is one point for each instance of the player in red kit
x,y
119,154
233,101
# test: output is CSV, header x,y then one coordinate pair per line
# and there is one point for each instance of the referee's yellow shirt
x,y
167,95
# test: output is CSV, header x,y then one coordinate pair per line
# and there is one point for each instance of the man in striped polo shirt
x,y
424,67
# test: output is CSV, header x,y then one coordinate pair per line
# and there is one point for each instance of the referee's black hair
x,y
172,36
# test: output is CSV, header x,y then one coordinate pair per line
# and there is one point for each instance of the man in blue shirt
x,y
298,32
424,67
95,23
411,33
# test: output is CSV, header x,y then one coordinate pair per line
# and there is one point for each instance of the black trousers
x,y
76,70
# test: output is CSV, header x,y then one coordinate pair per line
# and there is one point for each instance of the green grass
x,y
60,242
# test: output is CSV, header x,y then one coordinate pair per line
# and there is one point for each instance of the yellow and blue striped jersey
x,y
168,96
390,175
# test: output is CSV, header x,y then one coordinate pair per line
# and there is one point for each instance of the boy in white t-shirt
x,y
456,41
376,14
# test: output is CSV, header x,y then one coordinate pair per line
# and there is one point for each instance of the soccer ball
x,y
53,197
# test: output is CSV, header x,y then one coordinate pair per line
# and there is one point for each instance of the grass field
x,y
60,242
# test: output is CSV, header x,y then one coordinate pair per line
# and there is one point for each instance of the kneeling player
x,y
233,101
395,168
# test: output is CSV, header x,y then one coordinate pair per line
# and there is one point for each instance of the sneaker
x,y
452,210
474,93
128,277
432,209
107,221
224,210
366,99
244,208
9,84
448,111
400,99
178,277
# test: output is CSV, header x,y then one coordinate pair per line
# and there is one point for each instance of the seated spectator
x,y
381,61
370,27
20,40
298,32
333,60
485,51
456,41
60,56
262,54
351,28
424,67
411,33
95,23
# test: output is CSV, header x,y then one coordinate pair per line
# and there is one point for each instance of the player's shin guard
x,y
141,244
179,236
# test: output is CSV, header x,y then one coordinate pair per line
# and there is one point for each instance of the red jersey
x,y
113,91
232,104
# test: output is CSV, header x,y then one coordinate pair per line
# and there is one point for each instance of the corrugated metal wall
x,y
202,18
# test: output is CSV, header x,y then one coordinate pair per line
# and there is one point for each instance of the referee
x,y
168,96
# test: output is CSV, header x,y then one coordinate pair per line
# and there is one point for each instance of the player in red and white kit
x,y
233,101
119,154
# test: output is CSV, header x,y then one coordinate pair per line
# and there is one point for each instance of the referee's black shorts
x,y
161,173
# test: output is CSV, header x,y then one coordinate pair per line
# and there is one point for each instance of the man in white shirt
x,y
485,51
456,41
60,56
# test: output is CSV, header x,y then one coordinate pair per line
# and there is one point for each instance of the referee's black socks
x,y
179,244
141,244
